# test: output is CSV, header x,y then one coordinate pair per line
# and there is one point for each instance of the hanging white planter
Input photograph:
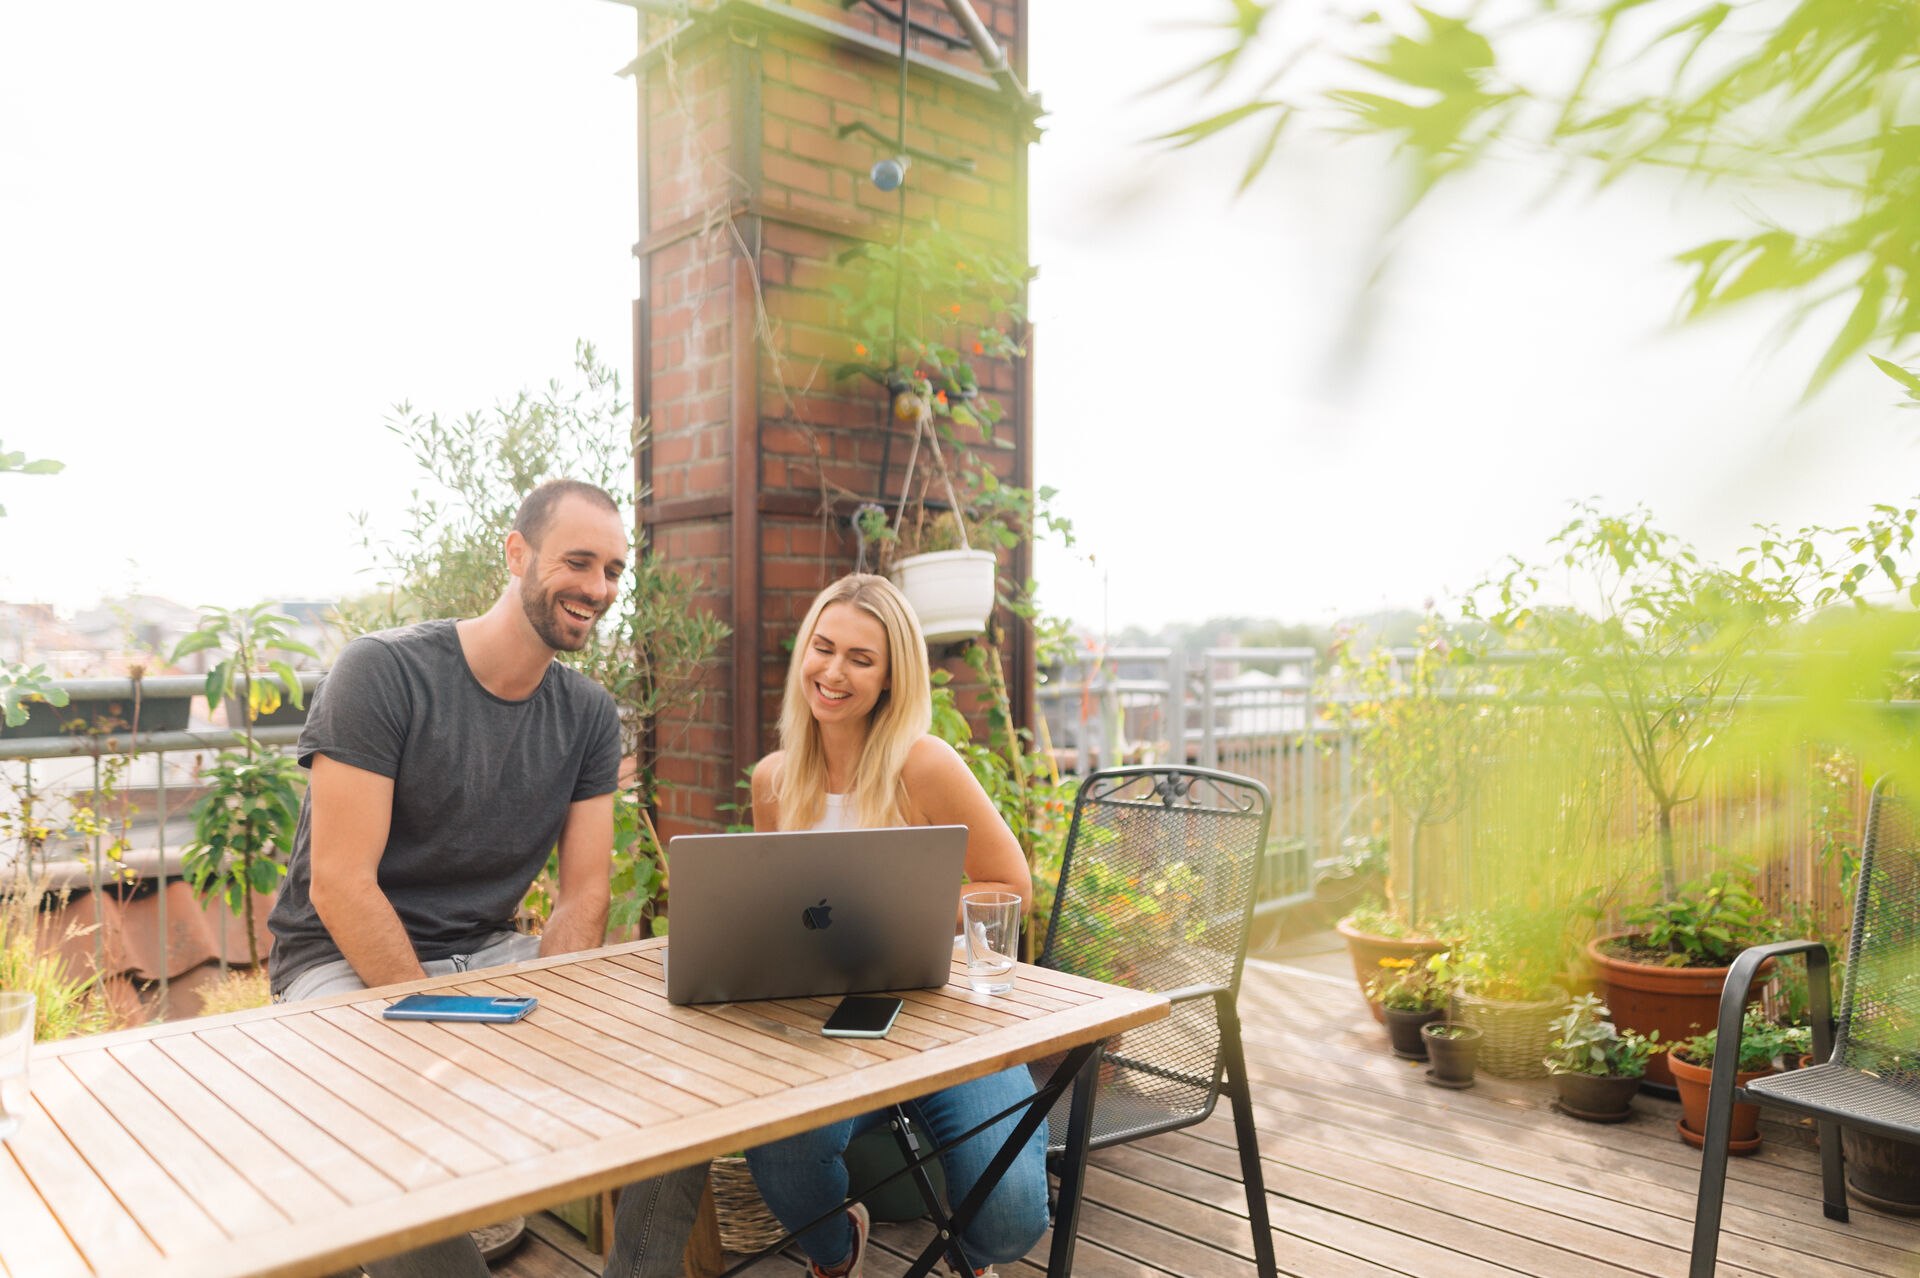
x,y
951,591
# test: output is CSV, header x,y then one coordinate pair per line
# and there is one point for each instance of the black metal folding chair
x,y
1156,893
1869,1075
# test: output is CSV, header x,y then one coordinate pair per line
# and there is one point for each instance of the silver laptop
x,y
799,914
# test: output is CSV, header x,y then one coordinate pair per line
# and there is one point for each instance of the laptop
x,y
804,913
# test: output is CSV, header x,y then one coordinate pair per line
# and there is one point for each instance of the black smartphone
x,y
862,1016
458,1007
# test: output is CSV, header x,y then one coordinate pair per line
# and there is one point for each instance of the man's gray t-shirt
x,y
481,787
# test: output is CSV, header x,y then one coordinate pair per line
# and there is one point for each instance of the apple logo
x,y
817,917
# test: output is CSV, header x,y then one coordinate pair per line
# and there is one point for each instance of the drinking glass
x,y
16,1036
993,938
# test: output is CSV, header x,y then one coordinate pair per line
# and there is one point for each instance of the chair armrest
x,y
1187,993
1733,995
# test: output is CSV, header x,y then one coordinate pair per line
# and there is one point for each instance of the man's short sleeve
x,y
600,761
360,711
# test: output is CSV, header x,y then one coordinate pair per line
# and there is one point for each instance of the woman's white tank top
x,y
840,814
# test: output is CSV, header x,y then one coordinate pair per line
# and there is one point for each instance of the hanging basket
x,y
1515,1035
746,1225
951,591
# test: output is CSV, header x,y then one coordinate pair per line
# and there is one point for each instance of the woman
x,y
855,753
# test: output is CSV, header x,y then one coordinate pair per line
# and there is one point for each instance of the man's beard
x,y
541,609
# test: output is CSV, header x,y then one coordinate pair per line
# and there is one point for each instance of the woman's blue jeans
x,y
802,1176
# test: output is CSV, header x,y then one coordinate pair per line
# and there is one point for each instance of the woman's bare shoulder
x,y
766,773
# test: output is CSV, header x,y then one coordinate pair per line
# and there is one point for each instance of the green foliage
x,y
64,1004
1407,986
252,634
1377,920
243,831
922,311
1706,922
648,652
1422,737
1586,1042
16,463
1510,951
1761,1042
20,684
1803,104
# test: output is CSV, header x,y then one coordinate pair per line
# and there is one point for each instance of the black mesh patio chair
x,y
1869,1077
1156,892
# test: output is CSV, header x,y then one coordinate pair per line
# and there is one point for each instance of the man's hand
x,y
579,918
351,810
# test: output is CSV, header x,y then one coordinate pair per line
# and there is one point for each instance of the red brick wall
x,y
749,196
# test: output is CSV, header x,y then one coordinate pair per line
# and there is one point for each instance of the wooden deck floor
x,y
1371,1172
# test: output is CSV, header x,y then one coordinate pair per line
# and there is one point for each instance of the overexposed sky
x,y
232,235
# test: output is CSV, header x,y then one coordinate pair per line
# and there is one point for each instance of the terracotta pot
x,y
1366,950
1452,1057
1598,1098
1677,1001
1403,1031
1692,1082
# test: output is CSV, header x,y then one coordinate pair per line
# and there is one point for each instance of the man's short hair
x,y
537,509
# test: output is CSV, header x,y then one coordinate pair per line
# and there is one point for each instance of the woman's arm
x,y
944,792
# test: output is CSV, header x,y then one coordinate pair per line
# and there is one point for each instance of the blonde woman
x,y
855,754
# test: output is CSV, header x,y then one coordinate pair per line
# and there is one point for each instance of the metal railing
x,y
1253,711
118,741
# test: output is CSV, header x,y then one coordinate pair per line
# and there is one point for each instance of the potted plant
x,y
1452,1048
1665,650
1408,997
1596,1068
1374,934
1691,1061
922,312
1500,975
1664,976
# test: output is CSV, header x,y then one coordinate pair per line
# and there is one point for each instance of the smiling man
x,y
447,758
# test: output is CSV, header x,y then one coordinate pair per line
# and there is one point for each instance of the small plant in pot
x,y
1501,974
1452,1047
1375,933
1691,1060
1597,1068
1410,998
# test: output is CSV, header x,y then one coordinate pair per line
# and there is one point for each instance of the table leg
x,y
704,1257
1073,1169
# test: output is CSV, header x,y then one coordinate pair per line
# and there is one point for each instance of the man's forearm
x,y
574,925
371,937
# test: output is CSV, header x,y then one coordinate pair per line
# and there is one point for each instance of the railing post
x,y
1175,707
1209,748
1309,801
160,870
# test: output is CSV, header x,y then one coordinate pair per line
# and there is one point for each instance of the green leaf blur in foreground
x,y
1808,106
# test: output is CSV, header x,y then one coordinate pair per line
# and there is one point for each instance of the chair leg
x,y
1833,1172
1241,1095
1713,1168
1073,1167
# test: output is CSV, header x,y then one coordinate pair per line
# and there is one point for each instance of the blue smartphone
x,y
456,1007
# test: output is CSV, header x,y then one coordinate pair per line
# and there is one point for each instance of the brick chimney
x,y
751,188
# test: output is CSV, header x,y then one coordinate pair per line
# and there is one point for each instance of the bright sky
x,y
232,235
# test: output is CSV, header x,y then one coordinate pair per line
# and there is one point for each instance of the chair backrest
x,y
1879,1014
1158,879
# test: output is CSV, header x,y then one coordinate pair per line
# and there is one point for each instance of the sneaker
x,y
943,1268
857,1215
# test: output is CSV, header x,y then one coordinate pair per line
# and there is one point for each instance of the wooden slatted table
x,y
304,1138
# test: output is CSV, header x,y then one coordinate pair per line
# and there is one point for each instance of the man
x,y
447,758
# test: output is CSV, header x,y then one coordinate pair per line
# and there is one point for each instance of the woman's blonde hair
x,y
901,716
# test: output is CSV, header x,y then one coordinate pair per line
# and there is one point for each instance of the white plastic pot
x,y
951,591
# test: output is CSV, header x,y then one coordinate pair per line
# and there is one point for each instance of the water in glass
x,y
993,939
